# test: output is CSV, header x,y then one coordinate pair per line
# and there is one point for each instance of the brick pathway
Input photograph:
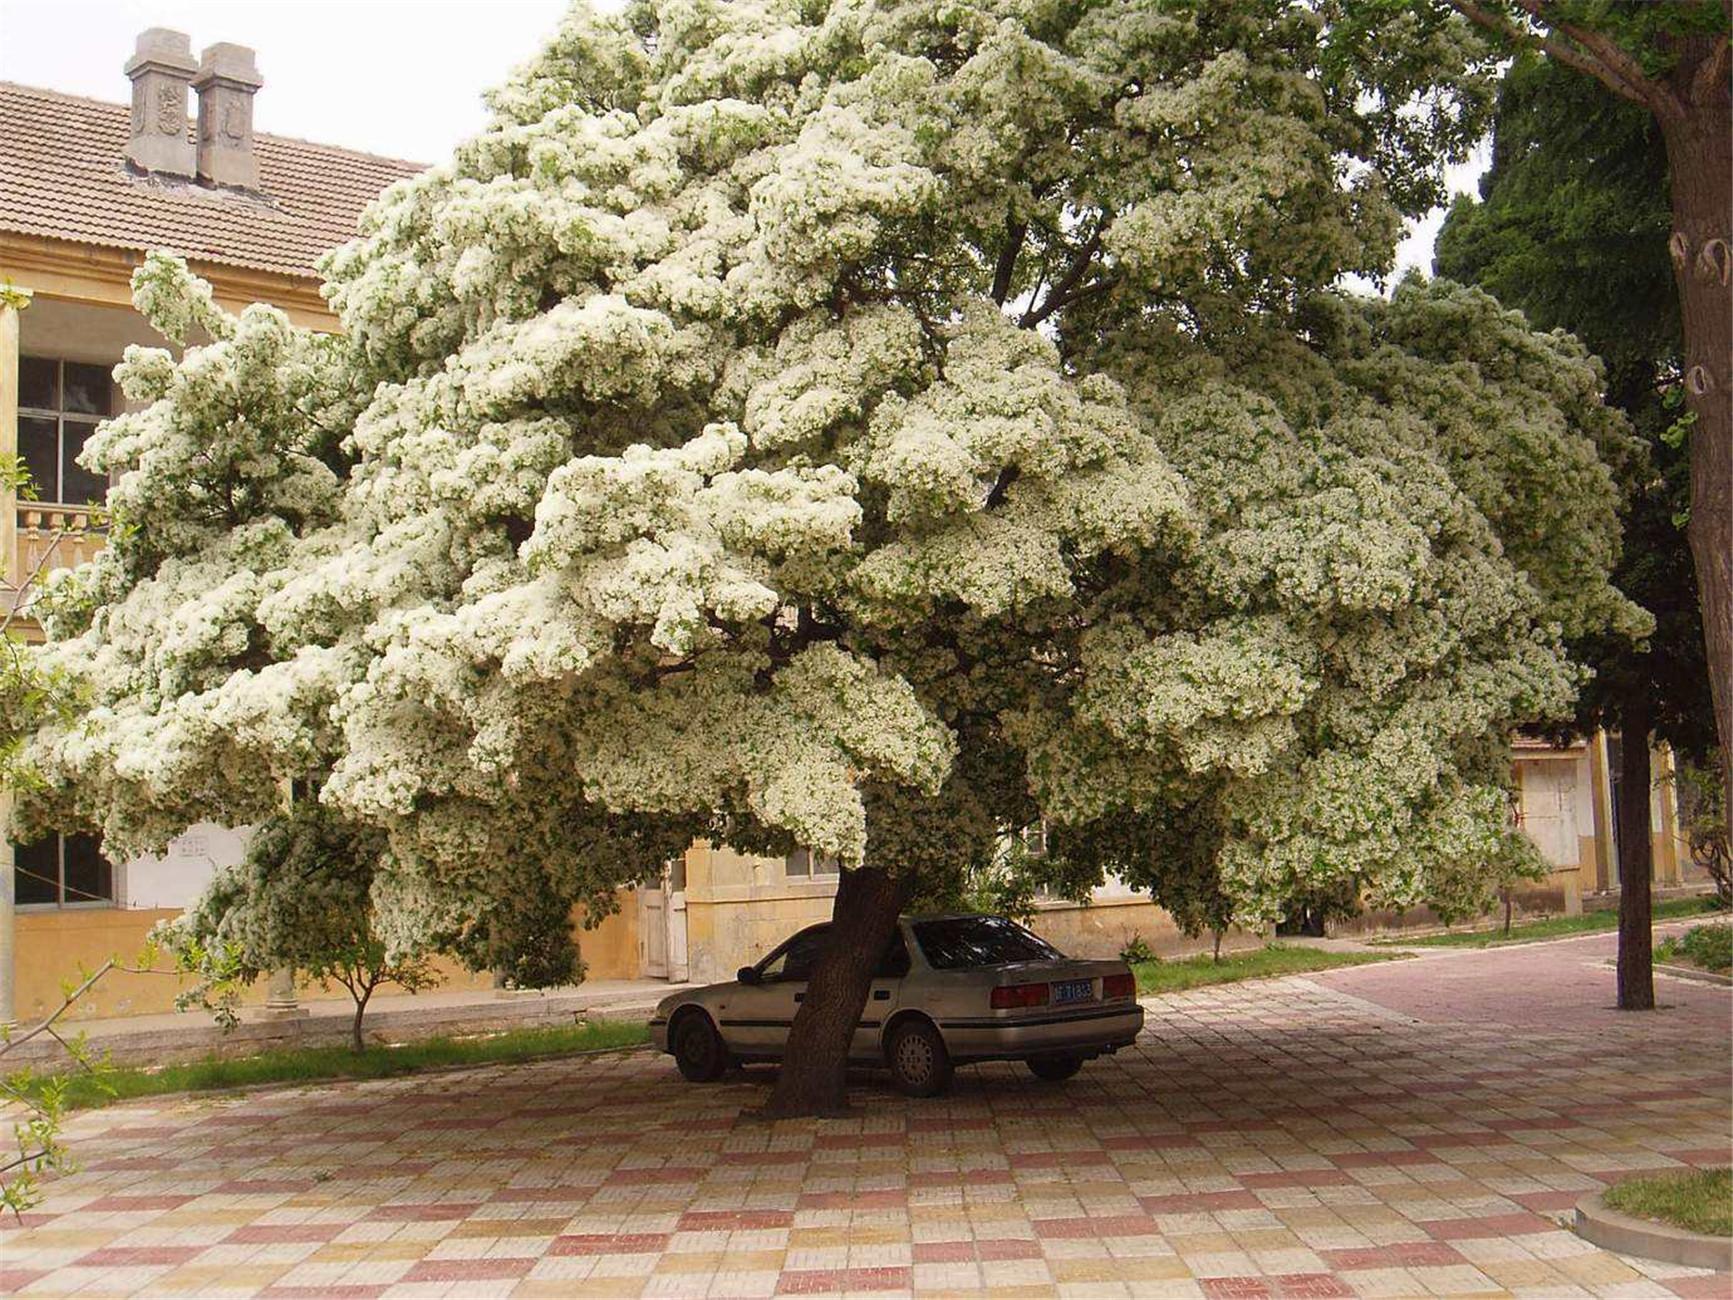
x,y
1287,1138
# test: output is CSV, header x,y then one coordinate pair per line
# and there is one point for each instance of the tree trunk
x,y
356,1041
1636,858
1700,177
813,1080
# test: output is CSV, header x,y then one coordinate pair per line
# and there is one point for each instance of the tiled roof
x,y
63,176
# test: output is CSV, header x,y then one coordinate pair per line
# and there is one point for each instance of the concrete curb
x,y
1693,973
1611,1230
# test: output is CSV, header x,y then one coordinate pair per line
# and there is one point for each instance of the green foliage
x,y
1697,1200
1138,952
1571,227
301,899
1708,946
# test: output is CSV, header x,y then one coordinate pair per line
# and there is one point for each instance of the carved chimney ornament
x,y
161,69
226,83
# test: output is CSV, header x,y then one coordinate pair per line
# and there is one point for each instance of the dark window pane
x,y
37,383
895,963
677,874
39,448
798,863
963,941
89,877
36,871
803,953
87,388
77,484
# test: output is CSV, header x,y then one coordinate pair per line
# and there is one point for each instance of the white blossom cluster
x,y
944,399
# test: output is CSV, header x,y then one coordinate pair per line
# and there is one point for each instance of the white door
x,y
653,931
1549,810
678,968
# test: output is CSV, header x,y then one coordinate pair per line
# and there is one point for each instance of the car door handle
x,y
881,995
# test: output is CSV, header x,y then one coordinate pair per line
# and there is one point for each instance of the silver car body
x,y
753,1019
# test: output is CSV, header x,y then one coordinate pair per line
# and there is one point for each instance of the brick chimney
x,y
226,82
161,68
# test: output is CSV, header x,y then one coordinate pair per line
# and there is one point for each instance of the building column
x,y
12,301
1601,787
1665,793
280,1000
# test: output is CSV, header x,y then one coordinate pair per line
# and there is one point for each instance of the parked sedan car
x,y
949,989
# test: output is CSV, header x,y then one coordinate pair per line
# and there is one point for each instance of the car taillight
x,y
1007,996
1119,986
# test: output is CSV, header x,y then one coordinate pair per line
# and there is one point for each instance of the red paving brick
x,y
1405,1128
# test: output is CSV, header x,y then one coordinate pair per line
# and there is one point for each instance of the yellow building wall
x,y
610,950
54,947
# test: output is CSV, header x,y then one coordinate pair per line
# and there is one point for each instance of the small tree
x,y
1703,810
300,899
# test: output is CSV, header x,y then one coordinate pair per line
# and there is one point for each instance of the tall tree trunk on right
x,y
1700,176
1636,858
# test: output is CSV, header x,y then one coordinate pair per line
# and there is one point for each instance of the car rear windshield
x,y
959,942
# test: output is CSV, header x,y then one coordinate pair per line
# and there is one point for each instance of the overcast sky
x,y
396,77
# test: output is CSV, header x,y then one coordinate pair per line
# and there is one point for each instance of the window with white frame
x,y
804,864
60,403
62,871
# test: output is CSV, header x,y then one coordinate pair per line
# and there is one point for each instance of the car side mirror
x,y
748,975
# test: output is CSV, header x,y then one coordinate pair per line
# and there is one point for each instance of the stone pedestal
x,y
280,1000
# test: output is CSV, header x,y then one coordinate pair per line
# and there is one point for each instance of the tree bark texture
x,y
813,1078
1700,167
1636,858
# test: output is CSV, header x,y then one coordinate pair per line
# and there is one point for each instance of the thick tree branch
x,y
1007,265
1713,69
1639,90
1060,293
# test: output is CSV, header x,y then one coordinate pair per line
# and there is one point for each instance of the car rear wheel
x,y
1055,1069
919,1062
698,1048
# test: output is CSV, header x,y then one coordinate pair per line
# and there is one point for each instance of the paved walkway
x,y
1373,1132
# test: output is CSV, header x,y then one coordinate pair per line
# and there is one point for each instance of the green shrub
x,y
1137,951
1710,946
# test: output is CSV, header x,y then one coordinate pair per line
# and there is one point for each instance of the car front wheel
x,y
1055,1069
698,1048
919,1062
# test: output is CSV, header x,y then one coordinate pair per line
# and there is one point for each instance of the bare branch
x,y
46,1026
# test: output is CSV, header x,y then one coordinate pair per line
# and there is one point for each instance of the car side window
x,y
895,963
797,959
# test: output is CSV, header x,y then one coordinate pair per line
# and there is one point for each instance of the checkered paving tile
x,y
1286,1138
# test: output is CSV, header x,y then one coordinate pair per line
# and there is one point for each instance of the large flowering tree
x,y
873,427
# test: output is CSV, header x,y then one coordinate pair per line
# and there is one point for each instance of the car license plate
x,y
1073,991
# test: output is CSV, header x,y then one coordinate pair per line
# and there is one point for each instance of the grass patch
x,y
1698,1200
315,1064
1707,947
1553,927
1257,963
